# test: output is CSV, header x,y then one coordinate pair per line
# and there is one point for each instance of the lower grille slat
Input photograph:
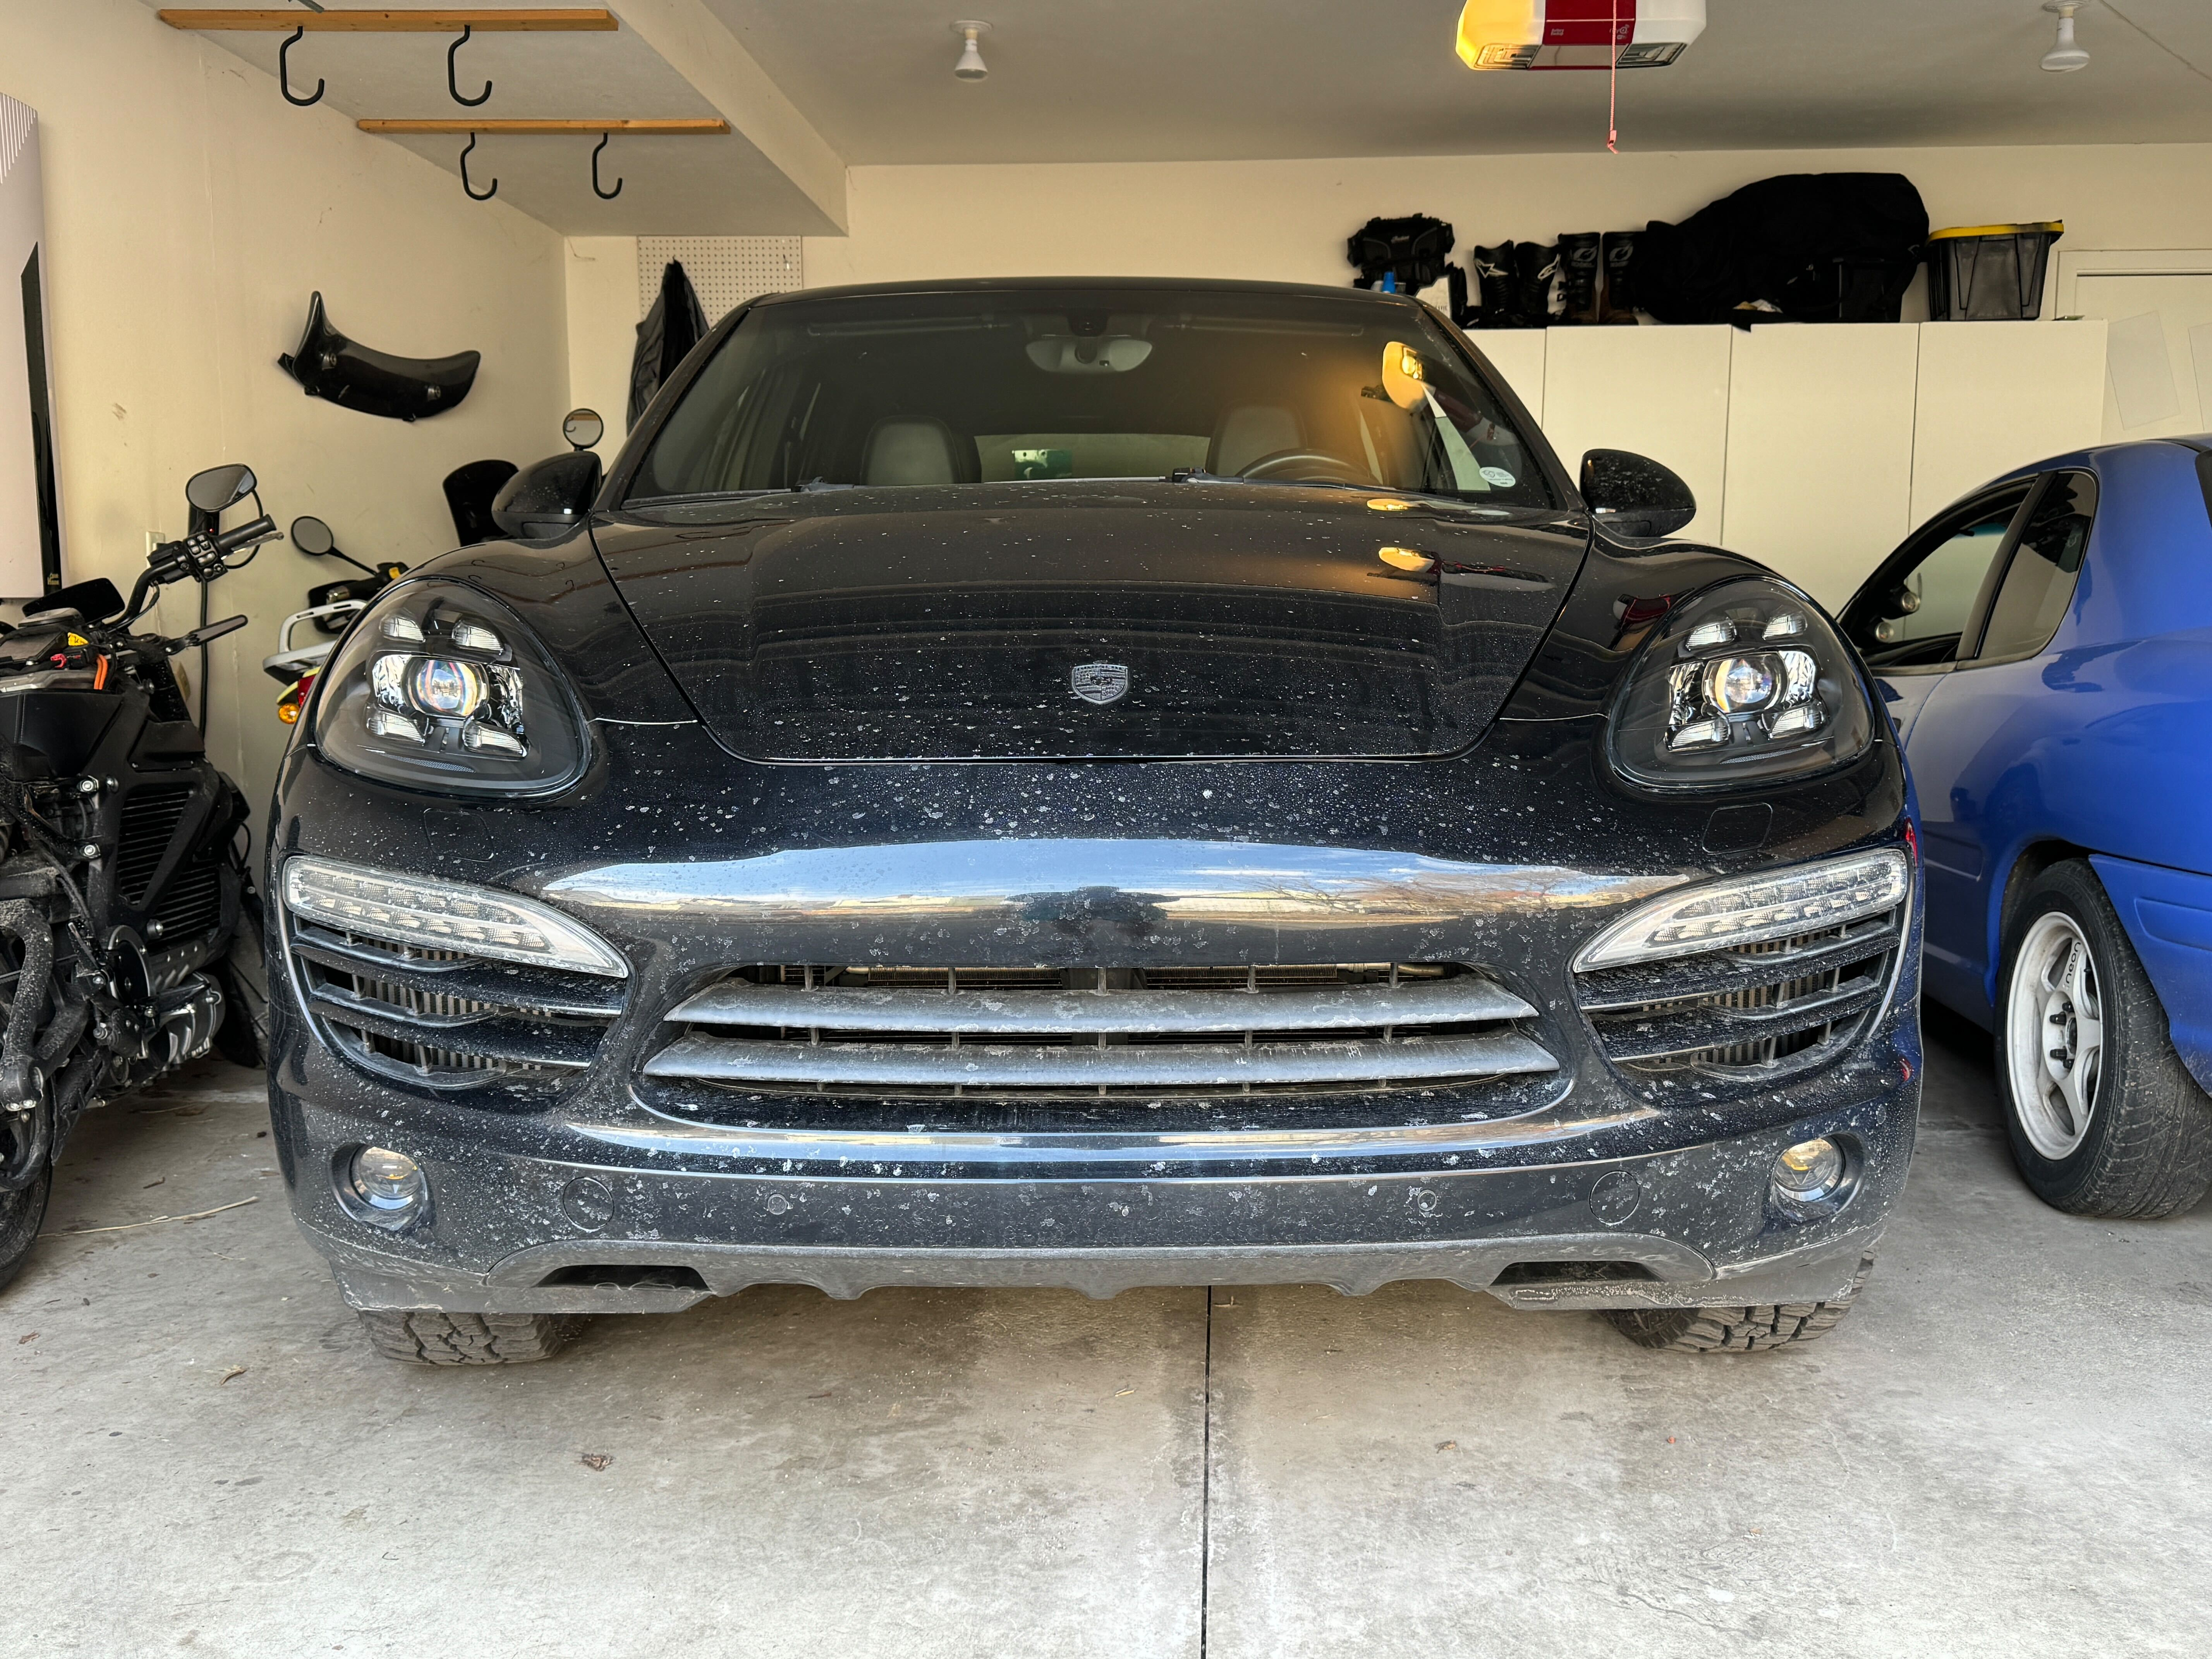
x,y
980,1033
1184,1065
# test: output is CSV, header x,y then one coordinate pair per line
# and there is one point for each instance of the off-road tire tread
x,y
1738,1330
2152,1156
428,1337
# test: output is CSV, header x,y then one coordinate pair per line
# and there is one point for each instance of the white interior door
x,y
2159,327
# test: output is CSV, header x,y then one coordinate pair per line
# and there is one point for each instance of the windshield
x,y
1094,383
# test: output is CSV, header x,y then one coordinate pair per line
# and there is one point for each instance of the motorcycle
x,y
123,885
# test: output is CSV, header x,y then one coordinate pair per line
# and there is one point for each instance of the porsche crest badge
x,y
1099,682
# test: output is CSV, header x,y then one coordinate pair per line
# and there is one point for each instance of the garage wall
x,y
1287,220
189,213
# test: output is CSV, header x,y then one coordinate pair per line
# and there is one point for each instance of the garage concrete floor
x,y
2001,1452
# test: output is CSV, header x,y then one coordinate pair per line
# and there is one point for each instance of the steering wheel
x,y
1268,466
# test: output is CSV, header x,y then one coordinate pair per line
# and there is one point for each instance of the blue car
x,y
2044,649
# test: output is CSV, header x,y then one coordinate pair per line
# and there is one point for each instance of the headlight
x,y
439,688
1745,684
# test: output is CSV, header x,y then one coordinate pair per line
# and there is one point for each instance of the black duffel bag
x,y
1815,247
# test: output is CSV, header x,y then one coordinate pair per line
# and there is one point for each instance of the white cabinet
x,y
1812,448
1658,392
1819,454
1994,396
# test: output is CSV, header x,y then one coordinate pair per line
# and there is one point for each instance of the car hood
x,y
1086,621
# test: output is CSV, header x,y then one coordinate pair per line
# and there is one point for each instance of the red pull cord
x,y
1612,90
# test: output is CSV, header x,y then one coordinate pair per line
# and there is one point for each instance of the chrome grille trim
x,y
1466,999
977,1033
987,1067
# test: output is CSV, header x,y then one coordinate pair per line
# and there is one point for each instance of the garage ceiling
x,y
810,88
1192,80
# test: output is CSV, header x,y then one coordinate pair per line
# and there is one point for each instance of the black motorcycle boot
x,y
1535,284
1493,276
1619,303
1580,275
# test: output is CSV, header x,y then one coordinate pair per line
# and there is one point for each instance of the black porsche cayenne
x,y
1092,784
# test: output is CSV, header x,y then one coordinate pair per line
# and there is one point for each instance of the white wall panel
x,y
1659,391
1820,451
1994,396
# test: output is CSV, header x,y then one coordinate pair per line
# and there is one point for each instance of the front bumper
x,y
612,1194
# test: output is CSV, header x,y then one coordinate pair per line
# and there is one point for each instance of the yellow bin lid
x,y
2049,227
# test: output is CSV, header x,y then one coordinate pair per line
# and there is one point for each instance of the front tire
x,y
20,1215
2103,1117
1739,1330
428,1337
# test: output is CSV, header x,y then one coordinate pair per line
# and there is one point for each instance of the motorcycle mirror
x,y
583,428
219,487
313,537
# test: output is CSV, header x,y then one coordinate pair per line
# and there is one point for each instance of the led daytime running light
x,y
1754,909
444,915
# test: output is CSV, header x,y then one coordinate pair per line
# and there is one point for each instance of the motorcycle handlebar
x,y
262,529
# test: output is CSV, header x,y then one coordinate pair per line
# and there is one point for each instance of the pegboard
x,y
726,272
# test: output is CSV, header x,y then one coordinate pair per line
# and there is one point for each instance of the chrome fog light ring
x,y
1816,1177
380,1188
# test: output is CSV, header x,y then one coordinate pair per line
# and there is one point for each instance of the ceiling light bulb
x,y
971,66
2064,55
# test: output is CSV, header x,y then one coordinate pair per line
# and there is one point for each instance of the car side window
x,y
1916,616
2039,584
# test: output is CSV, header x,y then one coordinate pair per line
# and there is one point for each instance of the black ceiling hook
x,y
472,193
604,195
284,71
453,82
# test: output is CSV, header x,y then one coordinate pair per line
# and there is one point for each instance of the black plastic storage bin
x,y
1988,273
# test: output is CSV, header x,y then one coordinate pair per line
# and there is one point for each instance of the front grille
x,y
1746,1010
1000,1033
151,817
447,1018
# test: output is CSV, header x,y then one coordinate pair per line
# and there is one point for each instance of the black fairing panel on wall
x,y
330,367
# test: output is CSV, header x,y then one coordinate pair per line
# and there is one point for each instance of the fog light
x,y
1810,1171
391,1183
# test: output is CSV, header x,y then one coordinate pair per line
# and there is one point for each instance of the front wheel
x,y
2103,1117
20,1213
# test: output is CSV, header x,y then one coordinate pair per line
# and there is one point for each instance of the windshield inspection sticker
x,y
1499,476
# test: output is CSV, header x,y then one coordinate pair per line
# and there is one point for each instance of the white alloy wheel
x,y
2054,1035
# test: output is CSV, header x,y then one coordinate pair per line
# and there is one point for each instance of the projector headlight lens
x,y
444,915
439,689
1745,684
1753,909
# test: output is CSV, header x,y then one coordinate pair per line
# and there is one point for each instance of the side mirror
x,y
314,538
549,497
219,487
583,428
1634,496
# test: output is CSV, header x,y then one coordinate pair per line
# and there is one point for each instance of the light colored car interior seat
x,y
1246,432
913,453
